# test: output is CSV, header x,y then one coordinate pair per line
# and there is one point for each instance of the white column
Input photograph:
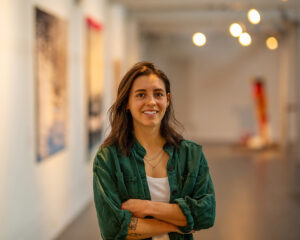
x,y
298,86
288,87
283,88
132,42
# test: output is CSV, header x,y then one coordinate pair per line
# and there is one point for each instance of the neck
x,y
149,138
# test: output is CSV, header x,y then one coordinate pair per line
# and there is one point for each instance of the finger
x,y
123,206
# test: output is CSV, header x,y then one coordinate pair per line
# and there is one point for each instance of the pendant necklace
x,y
154,157
155,165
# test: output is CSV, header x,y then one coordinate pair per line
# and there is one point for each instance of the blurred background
x,y
235,81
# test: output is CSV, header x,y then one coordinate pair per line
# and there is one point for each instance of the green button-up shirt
x,y
118,178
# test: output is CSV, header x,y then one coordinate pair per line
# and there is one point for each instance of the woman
x,y
148,180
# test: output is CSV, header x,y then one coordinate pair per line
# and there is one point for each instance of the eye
x,y
140,95
159,94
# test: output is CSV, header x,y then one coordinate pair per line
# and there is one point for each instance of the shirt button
x,y
170,168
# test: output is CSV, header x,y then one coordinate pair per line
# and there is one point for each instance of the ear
x,y
168,98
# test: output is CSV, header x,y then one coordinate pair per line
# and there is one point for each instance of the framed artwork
x,y
51,83
95,83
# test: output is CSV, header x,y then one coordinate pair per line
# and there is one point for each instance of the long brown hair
x,y
121,120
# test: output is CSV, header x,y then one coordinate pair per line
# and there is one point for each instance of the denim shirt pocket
x,y
131,183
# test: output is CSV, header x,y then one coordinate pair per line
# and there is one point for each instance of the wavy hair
x,y
122,132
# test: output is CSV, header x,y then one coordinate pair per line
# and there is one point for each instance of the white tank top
x,y
160,192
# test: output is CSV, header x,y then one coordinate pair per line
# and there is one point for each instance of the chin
x,y
150,124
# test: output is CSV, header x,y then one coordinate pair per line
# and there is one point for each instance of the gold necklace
x,y
154,157
153,166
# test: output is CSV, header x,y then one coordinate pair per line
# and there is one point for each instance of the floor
x,y
257,195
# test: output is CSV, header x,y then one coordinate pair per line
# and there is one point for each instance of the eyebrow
x,y
155,90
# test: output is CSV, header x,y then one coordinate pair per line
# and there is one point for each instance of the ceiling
x,y
183,17
205,4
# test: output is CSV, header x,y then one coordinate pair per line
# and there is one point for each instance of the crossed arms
x,y
167,218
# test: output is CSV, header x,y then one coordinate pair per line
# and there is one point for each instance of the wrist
x,y
148,208
174,228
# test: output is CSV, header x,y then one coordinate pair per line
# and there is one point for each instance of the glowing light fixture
x,y
272,43
235,29
254,16
284,0
199,39
245,39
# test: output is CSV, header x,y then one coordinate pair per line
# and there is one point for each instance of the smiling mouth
x,y
150,112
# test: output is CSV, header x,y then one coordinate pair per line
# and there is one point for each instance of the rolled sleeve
x,y
187,213
113,221
199,208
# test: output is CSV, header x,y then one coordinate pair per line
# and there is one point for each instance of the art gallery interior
x,y
252,145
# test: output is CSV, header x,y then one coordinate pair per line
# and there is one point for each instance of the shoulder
x,y
188,145
192,152
105,156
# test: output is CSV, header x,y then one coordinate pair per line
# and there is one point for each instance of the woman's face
x,y
148,101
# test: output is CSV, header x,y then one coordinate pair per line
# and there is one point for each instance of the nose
x,y
151,101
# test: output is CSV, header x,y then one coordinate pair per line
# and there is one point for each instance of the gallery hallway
x,y
257,194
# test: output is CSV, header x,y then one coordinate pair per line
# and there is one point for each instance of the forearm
x,y
141,228
167,212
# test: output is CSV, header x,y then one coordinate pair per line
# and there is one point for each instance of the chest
x,y
132,180
157,168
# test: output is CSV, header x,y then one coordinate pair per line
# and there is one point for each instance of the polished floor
x,y
257,194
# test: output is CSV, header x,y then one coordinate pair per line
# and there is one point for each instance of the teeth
x,y
150,112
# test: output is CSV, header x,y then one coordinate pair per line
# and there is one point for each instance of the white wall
x,y
298,88
133,42
288,87
37,200
124,35
212,87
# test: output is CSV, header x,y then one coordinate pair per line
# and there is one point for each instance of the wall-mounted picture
x,y
51,81
94,76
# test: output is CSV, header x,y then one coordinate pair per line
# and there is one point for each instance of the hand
x,y
137,207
